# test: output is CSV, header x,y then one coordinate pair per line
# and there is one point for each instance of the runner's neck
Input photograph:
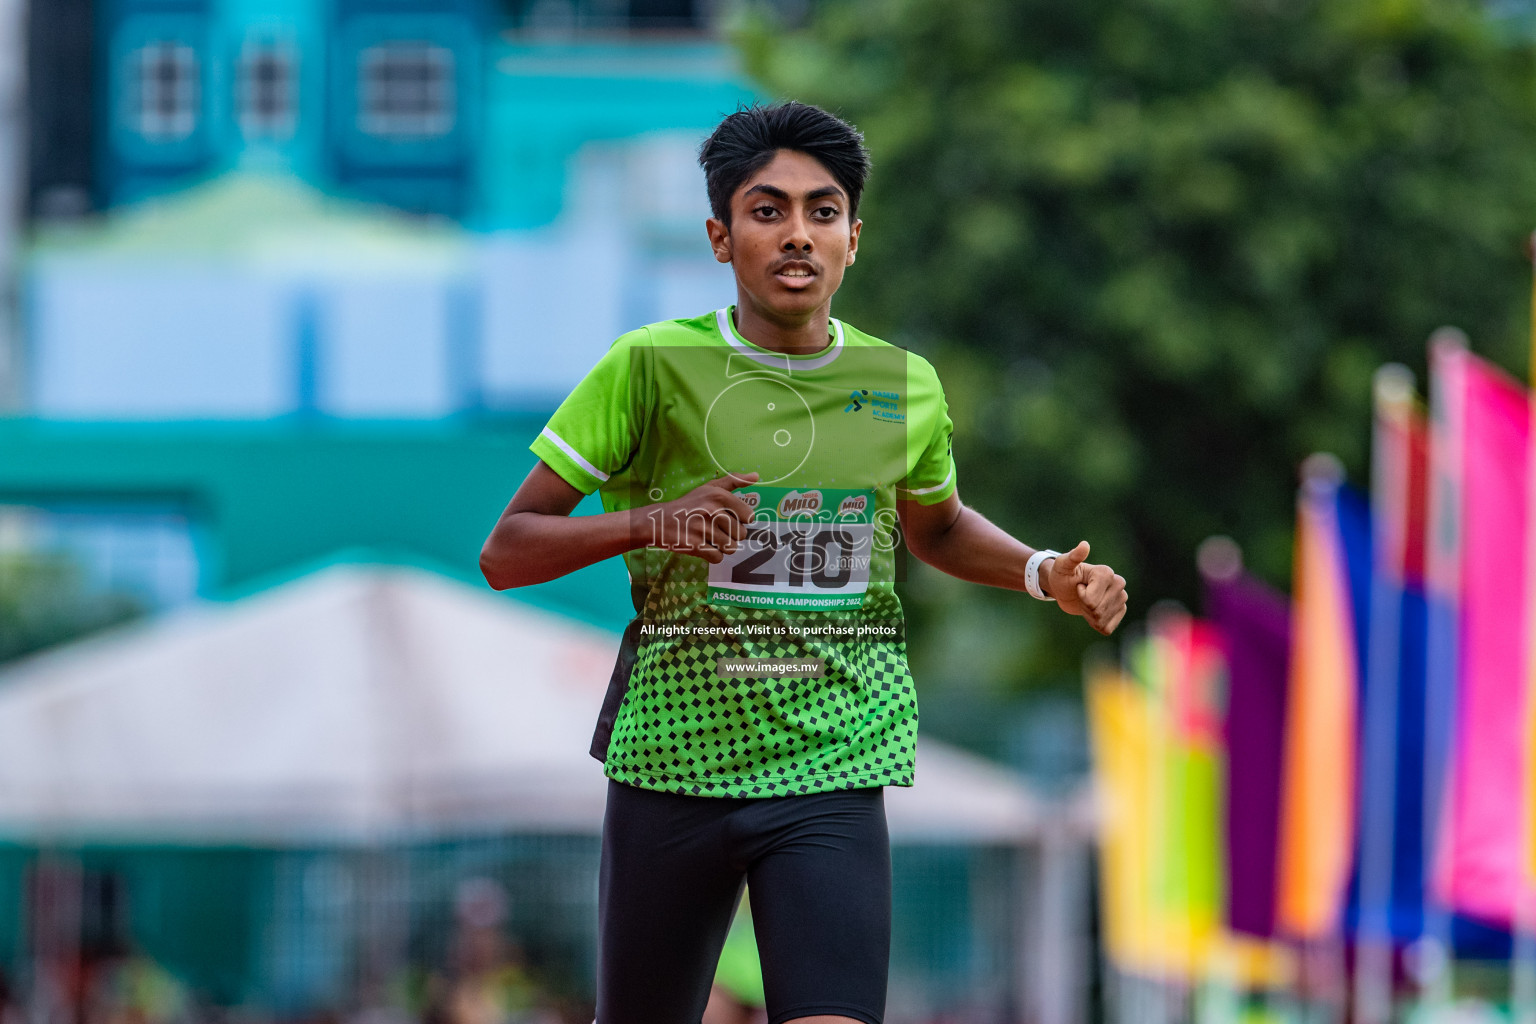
x,y
794,340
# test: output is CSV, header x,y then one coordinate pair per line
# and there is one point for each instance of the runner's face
x,y
790,236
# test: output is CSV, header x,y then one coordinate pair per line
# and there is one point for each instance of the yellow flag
x,y
1143,935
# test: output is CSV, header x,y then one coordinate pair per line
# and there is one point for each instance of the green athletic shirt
x,y
835,437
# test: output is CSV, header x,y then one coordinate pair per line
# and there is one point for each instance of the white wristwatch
x,y
1032,574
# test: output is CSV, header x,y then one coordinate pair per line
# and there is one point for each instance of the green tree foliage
x,y
46,600
1157,247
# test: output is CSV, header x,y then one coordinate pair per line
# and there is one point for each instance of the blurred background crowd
x,y
287,287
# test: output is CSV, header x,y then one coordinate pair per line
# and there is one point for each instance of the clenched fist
x,y
709,521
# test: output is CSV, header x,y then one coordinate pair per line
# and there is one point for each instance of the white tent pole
x,y
1061,944
1437,957
1379,749
55,915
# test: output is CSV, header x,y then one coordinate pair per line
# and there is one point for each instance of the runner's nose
x,y
799,238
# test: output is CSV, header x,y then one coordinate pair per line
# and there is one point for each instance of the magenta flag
x,y
1478,868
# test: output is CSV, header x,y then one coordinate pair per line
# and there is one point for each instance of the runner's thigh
x,y
821,907
666,894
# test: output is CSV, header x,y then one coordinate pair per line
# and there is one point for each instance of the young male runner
x,y
757,465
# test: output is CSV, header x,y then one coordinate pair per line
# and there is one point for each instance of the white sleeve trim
x,y
559,442
936,487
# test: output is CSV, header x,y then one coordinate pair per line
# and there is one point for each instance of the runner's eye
x,y
765,211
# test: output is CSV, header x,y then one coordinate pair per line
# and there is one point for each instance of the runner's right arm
x,y
537,539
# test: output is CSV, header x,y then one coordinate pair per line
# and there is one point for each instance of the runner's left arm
x,y
963,543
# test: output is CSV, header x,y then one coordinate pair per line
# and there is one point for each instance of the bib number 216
x,y
801,561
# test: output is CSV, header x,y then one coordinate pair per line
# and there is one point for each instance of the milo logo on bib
x,y
805,550
799,503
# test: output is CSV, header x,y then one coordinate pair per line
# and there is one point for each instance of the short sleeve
x,y
932,476
591,435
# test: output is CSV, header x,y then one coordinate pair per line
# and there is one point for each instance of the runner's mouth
x,y
796,274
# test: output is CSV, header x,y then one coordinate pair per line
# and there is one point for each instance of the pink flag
x,y
1478,869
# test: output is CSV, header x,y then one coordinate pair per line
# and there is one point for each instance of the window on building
x,y
605,16
266,86
146,554
49,594
164,90
405,90
663,14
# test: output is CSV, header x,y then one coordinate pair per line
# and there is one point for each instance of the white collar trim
x,y
776,360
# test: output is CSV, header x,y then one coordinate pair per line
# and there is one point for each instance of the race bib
x,y
804,550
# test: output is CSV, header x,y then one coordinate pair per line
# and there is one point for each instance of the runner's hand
x,y
1096,592
709,521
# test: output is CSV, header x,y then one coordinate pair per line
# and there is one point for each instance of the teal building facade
x,y
467,109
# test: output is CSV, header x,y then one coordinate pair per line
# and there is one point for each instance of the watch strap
x,y
1032,573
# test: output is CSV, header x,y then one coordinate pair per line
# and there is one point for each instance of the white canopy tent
x,y
361,703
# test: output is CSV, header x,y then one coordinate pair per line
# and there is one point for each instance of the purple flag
x,y
1254,623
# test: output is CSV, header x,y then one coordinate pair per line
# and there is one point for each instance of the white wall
x,y
113,341
383,350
